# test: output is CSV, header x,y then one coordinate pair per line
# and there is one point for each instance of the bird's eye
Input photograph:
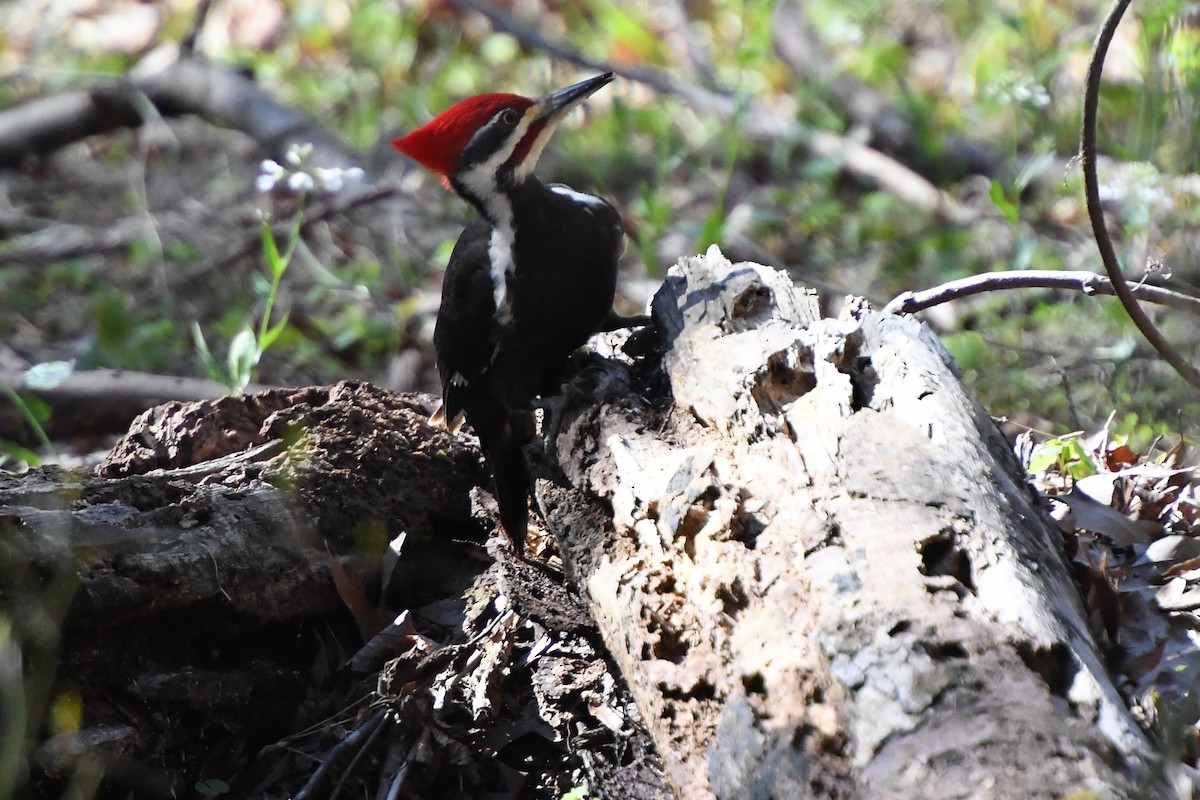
x,y
509,117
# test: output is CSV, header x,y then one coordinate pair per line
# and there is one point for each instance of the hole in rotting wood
x,y
942,555
787,375
745,526
754,683
669,645
702,690
863,379
748,307
944,651
733,597
1054,664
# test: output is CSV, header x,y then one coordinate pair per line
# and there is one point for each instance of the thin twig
x,y
1091,183
376,726
187,45
356,737
1079,280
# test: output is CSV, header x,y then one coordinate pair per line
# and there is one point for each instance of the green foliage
x,y
248,344
1068,454
35,412
1006,76
580,792
212,787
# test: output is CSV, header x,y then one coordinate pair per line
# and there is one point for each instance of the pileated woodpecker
x,y
529,281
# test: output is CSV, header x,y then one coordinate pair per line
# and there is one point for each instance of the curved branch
x,y
1077,280
1096,213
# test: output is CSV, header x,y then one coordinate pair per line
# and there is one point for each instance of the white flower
x,y
329,179
300,179
334,179
300,182
270,173
297,154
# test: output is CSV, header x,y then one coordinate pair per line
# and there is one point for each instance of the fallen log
x,y
820,569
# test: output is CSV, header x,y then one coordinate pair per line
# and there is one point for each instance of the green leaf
x,y
1079,460
243,356
37,410
212,787
577,793
275,262
713,232
1007,207
1045,456
48,374
19,453
967,347
271,334
211,367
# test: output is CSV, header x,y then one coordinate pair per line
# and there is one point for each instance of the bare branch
x,y
188,86
1080,280
104,400
1108,255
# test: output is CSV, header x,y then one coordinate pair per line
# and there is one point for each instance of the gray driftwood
x,y
821,571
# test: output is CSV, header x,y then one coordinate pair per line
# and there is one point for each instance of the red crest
x,y
438,144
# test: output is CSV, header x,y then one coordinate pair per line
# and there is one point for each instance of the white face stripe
x,y
480,182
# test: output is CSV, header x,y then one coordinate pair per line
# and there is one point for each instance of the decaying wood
x,y
821,571
202,579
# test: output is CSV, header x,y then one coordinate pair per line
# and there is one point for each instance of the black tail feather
x,y
506,457
503,434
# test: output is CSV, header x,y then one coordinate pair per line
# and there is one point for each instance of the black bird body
x,y
528,282
565,251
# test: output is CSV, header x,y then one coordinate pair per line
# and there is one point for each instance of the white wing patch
x,y
589,200
457,379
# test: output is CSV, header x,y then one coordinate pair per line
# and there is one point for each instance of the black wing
x,y
479,380
465,333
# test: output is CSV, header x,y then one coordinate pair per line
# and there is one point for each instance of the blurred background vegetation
x,y
980,99
988,96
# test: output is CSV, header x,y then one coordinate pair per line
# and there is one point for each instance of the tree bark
x,y
820,569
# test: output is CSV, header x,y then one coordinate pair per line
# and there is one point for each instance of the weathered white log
x,y
821,570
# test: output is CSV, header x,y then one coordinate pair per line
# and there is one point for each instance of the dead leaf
x,y
1098,518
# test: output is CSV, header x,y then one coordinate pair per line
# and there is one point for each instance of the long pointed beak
x,y
557,104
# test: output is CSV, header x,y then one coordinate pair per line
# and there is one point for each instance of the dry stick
x,y
865,161
187,45
1096,213
368,731
1080,280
